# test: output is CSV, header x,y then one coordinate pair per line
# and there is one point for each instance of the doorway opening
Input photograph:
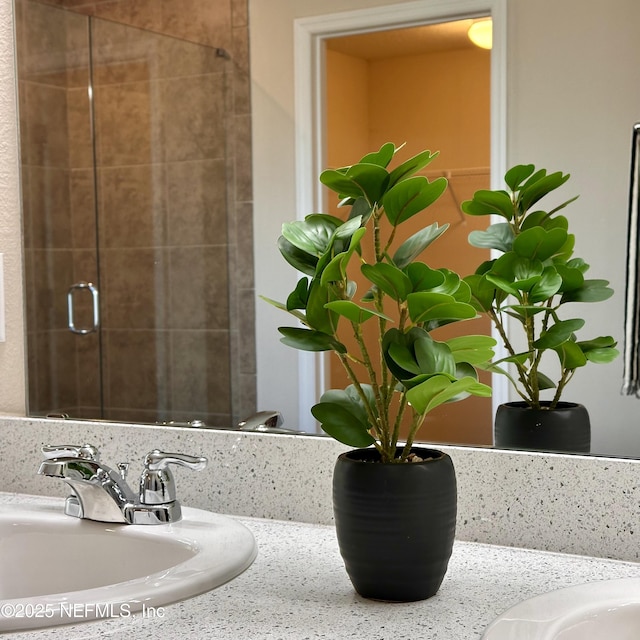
x,y
427,86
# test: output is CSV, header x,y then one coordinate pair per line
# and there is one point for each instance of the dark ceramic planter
x,y
395,523
565,429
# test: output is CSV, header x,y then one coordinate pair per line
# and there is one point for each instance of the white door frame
x,y
309,36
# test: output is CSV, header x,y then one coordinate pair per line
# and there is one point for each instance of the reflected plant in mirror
x,y
410,372
532,280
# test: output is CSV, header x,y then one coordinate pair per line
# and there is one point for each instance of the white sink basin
x,y
55,569
607,610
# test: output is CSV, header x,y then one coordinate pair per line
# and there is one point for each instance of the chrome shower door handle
x,y
96,307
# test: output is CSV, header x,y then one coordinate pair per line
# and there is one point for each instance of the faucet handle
x,y
157,485
85,451
157,460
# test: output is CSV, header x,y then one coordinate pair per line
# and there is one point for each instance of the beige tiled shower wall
x,y
160,173
55,239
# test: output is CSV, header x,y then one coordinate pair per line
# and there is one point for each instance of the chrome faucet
x,y
101,493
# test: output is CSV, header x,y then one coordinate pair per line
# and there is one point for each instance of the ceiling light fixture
x,y
481,32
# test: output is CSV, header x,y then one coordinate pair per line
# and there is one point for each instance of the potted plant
x,y
535,284
394,504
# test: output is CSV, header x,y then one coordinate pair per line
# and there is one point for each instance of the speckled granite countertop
x,y
297,589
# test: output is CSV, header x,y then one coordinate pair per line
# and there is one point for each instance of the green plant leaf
x,y
426,307
477,208
298,259
411,166
562,206
451,285
597,343
492,367
349,400
347,229
526,272
342,424
572,278
523,311
313,234
434,357
359,180
463,292
318,316
335,271
382,157
411,248
599,350
402,363
517,175
547,285
534,191
310,340
298,297
353,312
482,292
538,243
404,358
591,291
497,202
571,355
389,279
533,178
578,263
503,285
440,389
360,208
472,349
544,382
602,356
411,196
505,267
283,307
497,236
423,277
558,333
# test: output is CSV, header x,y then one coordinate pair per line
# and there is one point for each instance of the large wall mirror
x,y
162,182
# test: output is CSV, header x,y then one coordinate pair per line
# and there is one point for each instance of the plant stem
x,y
398,422
375,425
522,374
567,374
418,419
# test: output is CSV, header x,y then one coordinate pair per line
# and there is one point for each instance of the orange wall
x,y
436,101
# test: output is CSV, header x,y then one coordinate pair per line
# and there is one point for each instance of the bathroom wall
x,y
12,351
174,211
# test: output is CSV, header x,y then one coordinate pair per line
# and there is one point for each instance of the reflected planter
x,y
395,522
565,429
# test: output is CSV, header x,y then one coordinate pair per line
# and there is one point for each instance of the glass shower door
x,y
160,107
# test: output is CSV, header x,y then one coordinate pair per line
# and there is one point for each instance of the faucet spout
x,y
98,492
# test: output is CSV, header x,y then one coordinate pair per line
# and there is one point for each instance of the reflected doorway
x,y
430,87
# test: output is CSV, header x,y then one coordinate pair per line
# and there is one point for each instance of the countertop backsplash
x,y
571,504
